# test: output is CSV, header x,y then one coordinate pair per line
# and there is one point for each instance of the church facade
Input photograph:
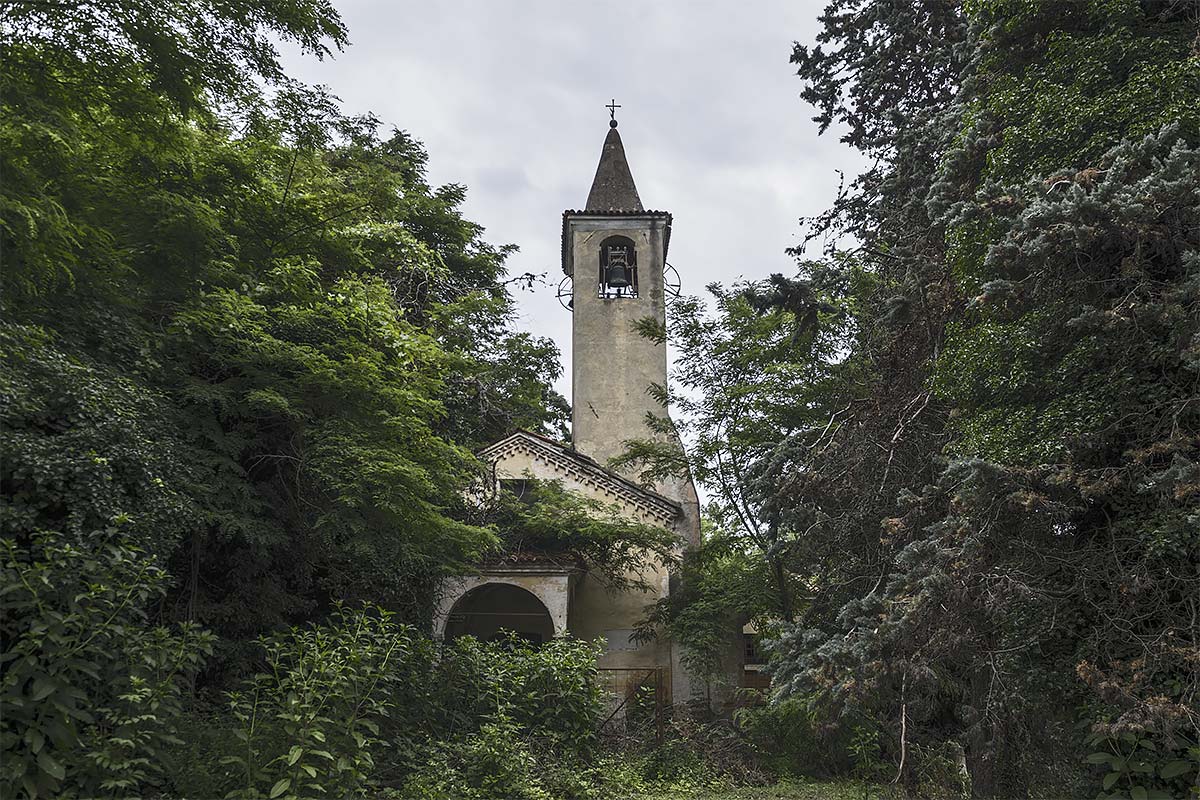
x,y
614,255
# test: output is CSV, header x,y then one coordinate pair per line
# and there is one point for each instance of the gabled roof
x,y
575,466
613,188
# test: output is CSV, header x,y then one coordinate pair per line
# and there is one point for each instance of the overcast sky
x,y
508,97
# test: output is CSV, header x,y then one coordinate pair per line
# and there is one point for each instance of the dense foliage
x,y
363,703
967,443
92,692
360,704
240,319
247,354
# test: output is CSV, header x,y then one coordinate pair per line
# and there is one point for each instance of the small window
x,y
752,653
618,268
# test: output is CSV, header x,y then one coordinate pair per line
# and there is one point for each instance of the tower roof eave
x,y
570,213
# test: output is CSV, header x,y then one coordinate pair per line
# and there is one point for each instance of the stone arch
x,y
497,609
550,591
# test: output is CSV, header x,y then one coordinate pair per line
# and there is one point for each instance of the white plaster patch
x,y
620,640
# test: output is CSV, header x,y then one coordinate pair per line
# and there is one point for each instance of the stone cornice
x,y
572,465
568,216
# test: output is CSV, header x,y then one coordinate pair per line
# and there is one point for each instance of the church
x,y
614,256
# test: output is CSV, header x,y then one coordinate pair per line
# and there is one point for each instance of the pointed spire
x,y
613,188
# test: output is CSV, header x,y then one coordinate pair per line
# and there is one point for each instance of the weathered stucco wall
x,y
595,611
523,464
613,366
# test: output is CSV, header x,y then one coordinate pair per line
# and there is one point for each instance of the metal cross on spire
x,y
612,110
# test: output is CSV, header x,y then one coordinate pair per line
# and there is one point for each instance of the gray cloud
x,y
509,97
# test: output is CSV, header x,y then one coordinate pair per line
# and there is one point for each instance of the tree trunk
x,y
785,594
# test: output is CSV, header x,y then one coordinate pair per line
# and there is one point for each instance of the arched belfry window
x,y
618,267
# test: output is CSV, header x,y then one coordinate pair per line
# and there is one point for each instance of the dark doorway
x,y
491,611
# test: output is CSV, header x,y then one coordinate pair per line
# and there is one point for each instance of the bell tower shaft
x,y
615,368
615,252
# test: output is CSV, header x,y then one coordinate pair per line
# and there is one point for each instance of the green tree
x,y
720,587
750,394
294,341
1012,487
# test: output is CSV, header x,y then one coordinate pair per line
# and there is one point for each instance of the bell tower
x,y
614,252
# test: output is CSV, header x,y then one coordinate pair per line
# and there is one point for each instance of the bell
x,y
616,277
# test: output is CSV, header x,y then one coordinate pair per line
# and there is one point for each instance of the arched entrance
x,y
486,610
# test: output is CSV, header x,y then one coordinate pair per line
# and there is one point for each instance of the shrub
x,y
495,761
91,692
311,724
554,693
791,738
498,718
93,698
363,703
